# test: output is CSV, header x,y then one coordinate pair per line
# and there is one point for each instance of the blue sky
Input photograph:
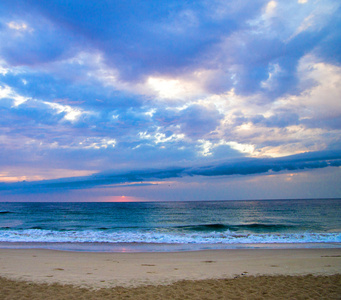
x,y
169,100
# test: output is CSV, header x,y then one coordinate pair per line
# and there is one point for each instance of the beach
x,y
212,274
171,250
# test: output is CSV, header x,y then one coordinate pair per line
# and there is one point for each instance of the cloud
x,y
250,47
173,38
280,119
19,26
246,166
195,121
130,84
42,42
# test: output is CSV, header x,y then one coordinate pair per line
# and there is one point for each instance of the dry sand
x,y
213,274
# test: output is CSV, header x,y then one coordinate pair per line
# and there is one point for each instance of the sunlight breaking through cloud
x,y
180,83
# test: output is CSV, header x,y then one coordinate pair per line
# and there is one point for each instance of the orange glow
x,y
17,174
122,199
11,178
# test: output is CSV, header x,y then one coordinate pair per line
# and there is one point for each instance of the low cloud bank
x,y
246,166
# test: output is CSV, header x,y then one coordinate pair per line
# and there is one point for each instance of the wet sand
x,y
213,274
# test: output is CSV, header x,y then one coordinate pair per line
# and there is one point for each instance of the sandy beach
x,y
215,274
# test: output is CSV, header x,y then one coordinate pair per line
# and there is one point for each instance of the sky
x,y
169,100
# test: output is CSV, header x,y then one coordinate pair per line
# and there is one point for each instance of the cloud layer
x,y
245,166
88,86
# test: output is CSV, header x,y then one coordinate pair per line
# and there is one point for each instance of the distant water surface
x,y
171,226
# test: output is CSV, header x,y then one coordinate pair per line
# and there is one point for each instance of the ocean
x,y
171,226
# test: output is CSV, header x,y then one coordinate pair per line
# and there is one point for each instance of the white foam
x,y
91,236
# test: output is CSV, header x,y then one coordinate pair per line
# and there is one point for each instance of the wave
x,y
261,226
6,212
203,227
108,236
237,227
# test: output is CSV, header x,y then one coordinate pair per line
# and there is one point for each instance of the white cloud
x,y
205,147
159,137
274,69
72,114
316,18
76,143
243,148
319,101
181,88
270,8
174,88
3,68
7,92
150,112
19,26
97,143
322,100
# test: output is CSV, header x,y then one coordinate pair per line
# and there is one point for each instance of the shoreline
x,y
105,247
107,270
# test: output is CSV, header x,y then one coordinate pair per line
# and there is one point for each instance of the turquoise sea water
x,y
171,226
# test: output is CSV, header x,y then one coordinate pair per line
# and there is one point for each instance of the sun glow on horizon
x,y
123,198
